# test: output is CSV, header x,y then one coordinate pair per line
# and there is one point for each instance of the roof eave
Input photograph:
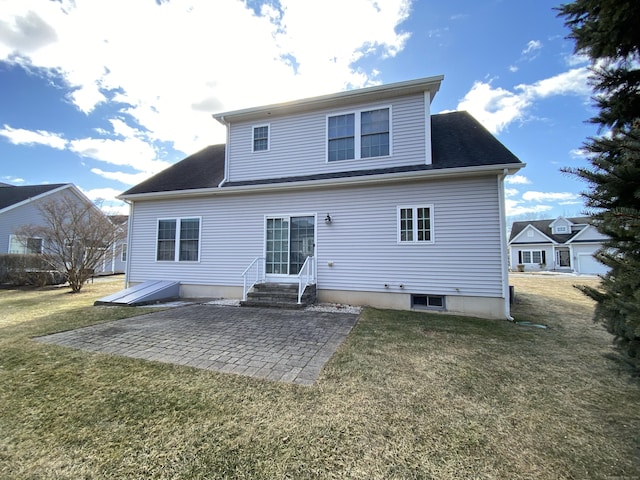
x,y
376,93
332,182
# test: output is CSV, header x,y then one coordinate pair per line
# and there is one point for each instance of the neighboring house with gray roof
x,y
19,207
364,194
561,244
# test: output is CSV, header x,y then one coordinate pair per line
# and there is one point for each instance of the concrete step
x,y
279,295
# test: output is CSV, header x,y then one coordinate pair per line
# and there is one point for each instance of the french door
x,y
289,241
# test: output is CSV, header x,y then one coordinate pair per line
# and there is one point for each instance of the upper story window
x,y
561,229
24,246
362,134
415,224
261,138
178,238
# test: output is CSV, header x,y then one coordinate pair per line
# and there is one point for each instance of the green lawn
x,y
409,395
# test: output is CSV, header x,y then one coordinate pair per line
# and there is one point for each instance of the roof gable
x,y
537,236
14,196
545,227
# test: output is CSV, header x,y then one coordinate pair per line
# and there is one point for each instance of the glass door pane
x,y
277,251
302,242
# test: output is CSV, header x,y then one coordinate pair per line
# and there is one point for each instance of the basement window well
x,y
428,302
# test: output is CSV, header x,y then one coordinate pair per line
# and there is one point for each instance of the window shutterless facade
x,y
260,138
361,134
178,239
415,224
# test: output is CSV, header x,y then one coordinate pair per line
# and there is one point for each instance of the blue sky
x,y
105,93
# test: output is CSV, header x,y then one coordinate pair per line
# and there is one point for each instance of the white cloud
x,y
577,59
168,66
13,180
532,46
128,152
572,82
105,199
515,207
513,68
517,180
496,107
579,153
122,177
533,196
19,136
511,192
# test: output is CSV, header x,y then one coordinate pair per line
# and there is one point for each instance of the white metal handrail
x,y
308,274
254,267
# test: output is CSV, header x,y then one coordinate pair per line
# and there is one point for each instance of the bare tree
x,y
76,237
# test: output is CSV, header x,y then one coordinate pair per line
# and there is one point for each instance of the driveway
x,y
281,345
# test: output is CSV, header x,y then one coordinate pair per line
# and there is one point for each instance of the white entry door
x,y
288,243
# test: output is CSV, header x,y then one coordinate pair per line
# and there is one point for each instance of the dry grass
x,y
409,395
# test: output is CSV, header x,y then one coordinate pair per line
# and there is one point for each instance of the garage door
x,y
588,264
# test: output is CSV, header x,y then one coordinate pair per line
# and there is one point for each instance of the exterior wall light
x,y
327,219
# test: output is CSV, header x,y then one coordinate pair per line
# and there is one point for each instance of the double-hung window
x,y
178,239
261,138
361,134
415,224
374,138
532,256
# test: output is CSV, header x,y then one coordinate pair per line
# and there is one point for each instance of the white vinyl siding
x,y
358,250
178,239
298,143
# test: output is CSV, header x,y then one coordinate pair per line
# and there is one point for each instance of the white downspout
x,y
503,246
129,236
226,154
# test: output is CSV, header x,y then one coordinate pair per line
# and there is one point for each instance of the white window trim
x,y
357,133
176,253
531,257
11,240
414,213
253,137
561,229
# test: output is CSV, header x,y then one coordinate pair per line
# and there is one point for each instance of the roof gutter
x,y
410,176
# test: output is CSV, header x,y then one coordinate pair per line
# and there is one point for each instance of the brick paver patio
x,y
281,345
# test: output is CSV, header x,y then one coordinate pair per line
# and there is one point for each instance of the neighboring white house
x,y
561,244
389,205
19,207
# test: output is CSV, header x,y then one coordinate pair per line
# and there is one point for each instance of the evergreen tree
x,y
608,32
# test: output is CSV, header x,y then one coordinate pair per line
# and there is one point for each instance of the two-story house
x,y
560,244
364,194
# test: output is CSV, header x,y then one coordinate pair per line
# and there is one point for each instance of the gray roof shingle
x,y
12,194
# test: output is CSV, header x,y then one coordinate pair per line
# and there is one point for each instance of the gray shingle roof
x,y
458,140
11,194
203,169
544,227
